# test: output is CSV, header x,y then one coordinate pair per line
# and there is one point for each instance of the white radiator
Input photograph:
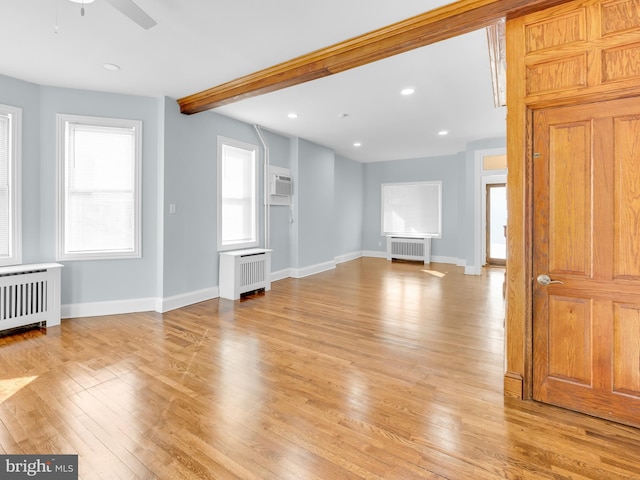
x,y
243,271
409,248
30,294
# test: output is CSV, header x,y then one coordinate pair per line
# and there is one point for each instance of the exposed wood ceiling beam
x,y
430,27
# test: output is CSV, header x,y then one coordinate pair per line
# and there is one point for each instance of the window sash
x,y
237,195
99,212
10,185
5,199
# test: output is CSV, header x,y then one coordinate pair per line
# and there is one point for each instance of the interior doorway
x,y
496,224
491,216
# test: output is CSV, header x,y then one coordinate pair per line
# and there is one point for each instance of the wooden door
x,y
586,330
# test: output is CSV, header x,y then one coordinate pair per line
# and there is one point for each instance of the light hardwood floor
x,y
374,370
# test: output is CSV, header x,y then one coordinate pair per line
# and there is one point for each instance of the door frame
x,y
482,177
526,92
518,377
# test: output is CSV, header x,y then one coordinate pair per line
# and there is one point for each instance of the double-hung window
x,y
99,163
10,180
237,194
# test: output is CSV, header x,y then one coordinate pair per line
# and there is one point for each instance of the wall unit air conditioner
x,y
280,188
281,185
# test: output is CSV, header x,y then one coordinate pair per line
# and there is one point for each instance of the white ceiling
x,y
199,44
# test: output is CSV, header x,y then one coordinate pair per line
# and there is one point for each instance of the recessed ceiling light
x,y
408,91
292,115
82,1
343,115
442,133
357,144
112,67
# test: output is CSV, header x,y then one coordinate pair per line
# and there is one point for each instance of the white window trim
x,y
61,120
245,146
15,184
419,235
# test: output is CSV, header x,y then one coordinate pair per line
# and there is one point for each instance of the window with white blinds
x,y
237,195
10,180
99,188
412,209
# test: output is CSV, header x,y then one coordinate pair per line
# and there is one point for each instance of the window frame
x,y
61,195
437,184
14,185
225,141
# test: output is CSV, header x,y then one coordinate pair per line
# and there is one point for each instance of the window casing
x,y
99,164
237,195
10,185
412,209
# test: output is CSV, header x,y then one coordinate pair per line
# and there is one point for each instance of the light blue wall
x,y
190,234
445,169
190,252
335,210
348,206
97,281
83,282
280,215
26,96
294,148
457,173
179,166
315,197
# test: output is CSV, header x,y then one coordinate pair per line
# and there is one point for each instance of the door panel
x,y
626,370
570,199
627,196
586,235
570,339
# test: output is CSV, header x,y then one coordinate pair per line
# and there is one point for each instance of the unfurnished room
x,y
335,240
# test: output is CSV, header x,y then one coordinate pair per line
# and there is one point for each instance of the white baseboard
x,y
306,271
185,299
313,269
374,253
472,270
163,305
348,257
280,274
434,258
135,305
114,307
440,259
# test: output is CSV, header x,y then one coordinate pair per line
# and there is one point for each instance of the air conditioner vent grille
x,y
281,185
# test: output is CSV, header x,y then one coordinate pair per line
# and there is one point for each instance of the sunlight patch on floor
x,y
435,273
10,386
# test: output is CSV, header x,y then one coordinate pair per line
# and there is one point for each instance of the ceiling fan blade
x,y
134,12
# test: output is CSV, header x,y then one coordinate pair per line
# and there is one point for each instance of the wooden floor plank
x,y
373,370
